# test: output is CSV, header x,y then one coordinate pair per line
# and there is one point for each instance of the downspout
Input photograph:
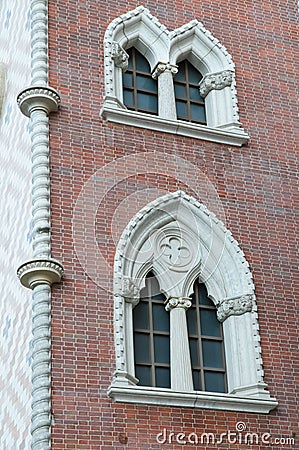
x,y
38,274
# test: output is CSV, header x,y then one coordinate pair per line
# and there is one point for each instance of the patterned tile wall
x,y
15,248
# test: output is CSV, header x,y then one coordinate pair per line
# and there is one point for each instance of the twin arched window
x,y
193,89
179,342
140,89
152,340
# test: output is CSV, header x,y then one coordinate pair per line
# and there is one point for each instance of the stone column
x,y
164,72
180,361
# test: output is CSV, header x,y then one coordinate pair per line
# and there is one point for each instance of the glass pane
x,y
128,98
147,102
192,321
214,381
194,352
181,108
198,113
128,79
160,318
141,63
210,326
161,348
180,75
153,283
140,316
193,75
147,83
180,90
195,95
203,295
142,347
196,380
212,353
162,377
143,373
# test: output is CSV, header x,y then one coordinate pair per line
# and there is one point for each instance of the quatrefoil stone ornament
x,y
175,251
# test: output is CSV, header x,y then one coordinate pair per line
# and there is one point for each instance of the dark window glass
x,y
206,343
151,336
215,381
140,90
189,104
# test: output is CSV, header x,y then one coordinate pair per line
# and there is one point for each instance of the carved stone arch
x,y
136,28
180,240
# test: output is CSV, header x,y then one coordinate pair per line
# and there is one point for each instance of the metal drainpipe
x,y
38,274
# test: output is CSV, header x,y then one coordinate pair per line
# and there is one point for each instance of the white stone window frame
x,y
215,259
164,49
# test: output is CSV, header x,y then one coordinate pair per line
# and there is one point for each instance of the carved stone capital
x,y
217,81
129,290
178,302
163,67
119,56
234,306
42,98
40,271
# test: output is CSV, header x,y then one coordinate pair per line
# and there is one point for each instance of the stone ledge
x,y
236,137
194,399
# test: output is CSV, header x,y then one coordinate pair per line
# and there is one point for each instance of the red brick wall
x,y
257,185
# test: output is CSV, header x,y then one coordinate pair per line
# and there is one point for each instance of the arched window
x,y
151,336
205,343
190,106
180,81
140,90
209,344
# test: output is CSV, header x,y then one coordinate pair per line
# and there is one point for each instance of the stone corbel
x,y
119,56
40,271
129,290
163,67
218,81
234,306
42,98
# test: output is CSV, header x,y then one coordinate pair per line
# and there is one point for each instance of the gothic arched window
x,y
190,106
205,343
140,90
180,82
203,350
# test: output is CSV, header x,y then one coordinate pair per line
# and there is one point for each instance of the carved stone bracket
x,y
119,56
234,306
178,302
217,81
129,290
163,67
40,271
38,98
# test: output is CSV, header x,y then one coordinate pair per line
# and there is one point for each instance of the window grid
x,y
150,298
183,80
143,97
198,306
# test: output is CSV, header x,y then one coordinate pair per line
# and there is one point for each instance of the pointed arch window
x,y
210,346
190,106
206,343
140,90
142,58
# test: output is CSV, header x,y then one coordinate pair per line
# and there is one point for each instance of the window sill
x,y
235,136
194,399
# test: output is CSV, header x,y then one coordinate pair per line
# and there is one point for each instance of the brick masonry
x,y
257,185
